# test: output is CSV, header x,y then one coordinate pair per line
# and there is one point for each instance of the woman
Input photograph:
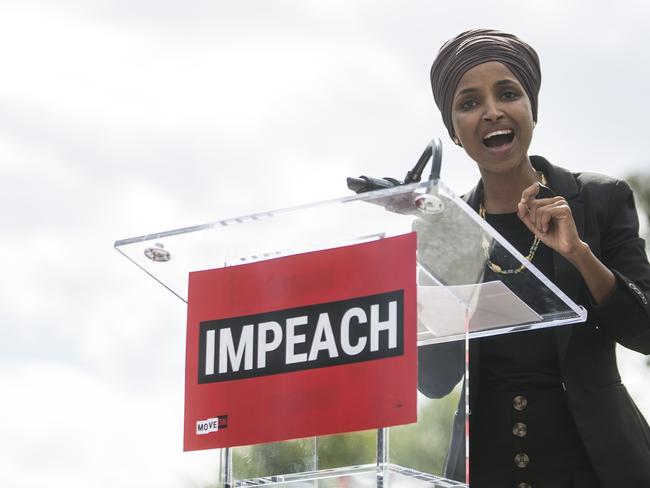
x,y
548,407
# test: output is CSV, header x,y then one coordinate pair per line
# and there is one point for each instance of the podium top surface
x,y
455,284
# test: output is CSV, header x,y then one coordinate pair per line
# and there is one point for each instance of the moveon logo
x,y
211,425
327,334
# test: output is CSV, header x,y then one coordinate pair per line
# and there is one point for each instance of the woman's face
x,y
492,117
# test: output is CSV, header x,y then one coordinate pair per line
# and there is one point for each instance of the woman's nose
x,y
492,111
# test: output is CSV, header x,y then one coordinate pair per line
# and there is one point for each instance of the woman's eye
x,y
468,104
510,95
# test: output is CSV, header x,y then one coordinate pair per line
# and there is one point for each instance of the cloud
x,y
64,426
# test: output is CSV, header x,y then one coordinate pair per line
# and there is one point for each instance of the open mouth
x,y
498,138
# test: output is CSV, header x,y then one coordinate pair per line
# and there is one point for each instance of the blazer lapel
x,y
567,278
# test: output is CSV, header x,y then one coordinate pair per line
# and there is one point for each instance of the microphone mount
x,y
432,151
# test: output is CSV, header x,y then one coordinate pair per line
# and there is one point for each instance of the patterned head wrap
x,y
475,47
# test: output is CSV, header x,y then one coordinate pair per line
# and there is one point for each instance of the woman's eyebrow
x,y
500,83
465,91
505,81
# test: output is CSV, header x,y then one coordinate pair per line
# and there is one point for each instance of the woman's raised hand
x,y
550,219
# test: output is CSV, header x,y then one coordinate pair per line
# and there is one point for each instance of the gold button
x,y
521,460
519,402
524,485
519,429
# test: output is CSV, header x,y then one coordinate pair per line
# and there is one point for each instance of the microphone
x,y
363,184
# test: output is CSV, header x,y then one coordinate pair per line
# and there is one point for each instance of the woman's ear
x,y
456,141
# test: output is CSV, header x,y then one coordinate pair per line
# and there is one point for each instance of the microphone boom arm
x,y
432,151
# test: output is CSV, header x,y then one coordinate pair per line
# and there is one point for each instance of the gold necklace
x,y
486,245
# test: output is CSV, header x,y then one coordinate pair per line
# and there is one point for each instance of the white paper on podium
x,y
441,310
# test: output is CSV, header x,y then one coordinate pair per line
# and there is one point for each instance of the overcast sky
x,y
124,117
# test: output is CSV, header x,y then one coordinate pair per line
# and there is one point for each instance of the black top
x,y
523,433
524,360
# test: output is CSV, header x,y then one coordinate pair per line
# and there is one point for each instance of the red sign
x,y
311,344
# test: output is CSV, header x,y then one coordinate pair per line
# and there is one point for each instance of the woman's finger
x,y
523,213
530,192
541,202
554,212
546,214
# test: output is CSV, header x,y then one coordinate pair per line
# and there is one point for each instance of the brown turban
x,y
475,47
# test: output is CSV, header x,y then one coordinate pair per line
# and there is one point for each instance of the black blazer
x,y
614,432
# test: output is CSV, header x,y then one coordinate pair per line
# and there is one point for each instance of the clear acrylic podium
x,y
459,298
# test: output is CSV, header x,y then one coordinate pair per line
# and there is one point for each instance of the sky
x,y
120,118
